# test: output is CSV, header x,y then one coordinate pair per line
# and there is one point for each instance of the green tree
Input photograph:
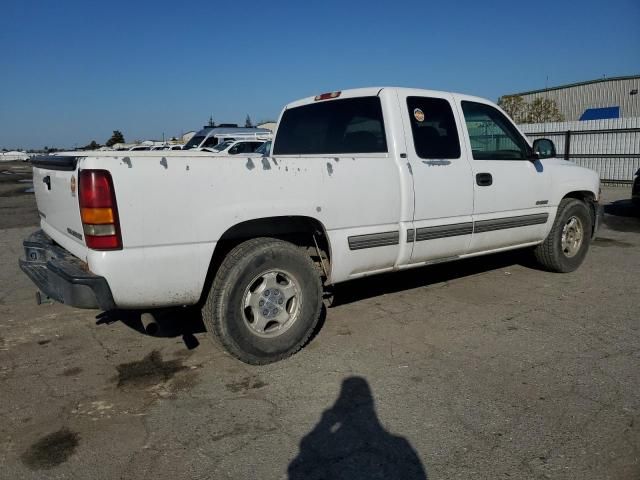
x,y
247,122
543,110
117,137
515,106
92,146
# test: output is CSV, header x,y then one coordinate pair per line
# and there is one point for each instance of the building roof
x,y
577,84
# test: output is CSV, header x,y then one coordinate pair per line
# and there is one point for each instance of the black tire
x,y
225,314
550,254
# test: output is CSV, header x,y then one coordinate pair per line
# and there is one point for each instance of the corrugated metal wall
x,y
610,147
572,101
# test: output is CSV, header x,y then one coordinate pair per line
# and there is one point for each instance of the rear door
x,y
441,176
511,192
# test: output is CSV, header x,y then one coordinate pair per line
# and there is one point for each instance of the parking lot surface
x,y
485,368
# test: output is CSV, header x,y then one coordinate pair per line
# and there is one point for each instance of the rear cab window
x,y
345,126
433,126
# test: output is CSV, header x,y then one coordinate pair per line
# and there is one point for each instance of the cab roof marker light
x,y
327,96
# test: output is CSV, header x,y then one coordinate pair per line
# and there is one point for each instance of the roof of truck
x,y
374,91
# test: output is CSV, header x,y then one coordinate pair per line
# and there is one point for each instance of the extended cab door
x,y
511,191
442,179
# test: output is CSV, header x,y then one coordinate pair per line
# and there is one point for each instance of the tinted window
x,y
492,135
264,149
210,142
194,142
434,128
221,146
351,125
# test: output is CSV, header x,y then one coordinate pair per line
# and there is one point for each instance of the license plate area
x,y
35,254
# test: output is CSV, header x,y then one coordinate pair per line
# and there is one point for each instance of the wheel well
x,y
588,198
306,232
584,195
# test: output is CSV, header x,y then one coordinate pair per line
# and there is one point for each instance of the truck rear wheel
x,y
264,302
566,246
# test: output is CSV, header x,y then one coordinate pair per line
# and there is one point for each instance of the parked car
x,y
234,147
140,148
264,149
209,137
635,190
358,182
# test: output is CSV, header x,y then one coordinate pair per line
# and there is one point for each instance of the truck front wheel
x,y
264,302
566,245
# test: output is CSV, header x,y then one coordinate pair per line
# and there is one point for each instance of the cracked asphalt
x,y
486,368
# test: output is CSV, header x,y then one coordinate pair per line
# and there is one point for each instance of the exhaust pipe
x,y
149,324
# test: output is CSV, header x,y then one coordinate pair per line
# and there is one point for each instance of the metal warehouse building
x,y
615,97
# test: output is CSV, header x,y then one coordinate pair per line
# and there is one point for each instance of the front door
x,y
441,177
511,191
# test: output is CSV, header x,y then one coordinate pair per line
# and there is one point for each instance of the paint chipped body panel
x,y
380,211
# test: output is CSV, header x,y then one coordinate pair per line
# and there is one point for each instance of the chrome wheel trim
x,y
271,303
572,237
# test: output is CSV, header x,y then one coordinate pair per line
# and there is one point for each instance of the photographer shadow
x,y
350,443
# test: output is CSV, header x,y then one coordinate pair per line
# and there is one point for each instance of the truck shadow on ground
x,y
622,216
394,282
183,322
186,322
349,442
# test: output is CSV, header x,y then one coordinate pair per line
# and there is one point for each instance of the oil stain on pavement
x,y
51,450
148,371
247,383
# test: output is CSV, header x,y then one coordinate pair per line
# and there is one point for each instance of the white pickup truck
x,y
358,182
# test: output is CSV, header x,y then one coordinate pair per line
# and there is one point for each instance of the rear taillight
x,y
98,210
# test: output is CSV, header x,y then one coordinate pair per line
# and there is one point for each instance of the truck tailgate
x,y
55,182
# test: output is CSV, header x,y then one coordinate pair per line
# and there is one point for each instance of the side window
x,y
352,125
433,127
210,142
492,135
235,149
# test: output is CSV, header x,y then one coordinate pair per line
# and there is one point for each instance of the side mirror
x,y
544,148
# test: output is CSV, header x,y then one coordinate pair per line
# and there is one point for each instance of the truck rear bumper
x,y
63,277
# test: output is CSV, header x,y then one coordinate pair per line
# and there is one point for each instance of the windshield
x,y
264,149
221,146
194,142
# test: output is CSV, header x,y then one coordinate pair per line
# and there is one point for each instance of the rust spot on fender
x,y
127,162
250,165
164,163
265,164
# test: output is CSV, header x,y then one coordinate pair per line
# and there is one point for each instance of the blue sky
x,y
73,71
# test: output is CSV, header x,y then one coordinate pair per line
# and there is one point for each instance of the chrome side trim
x,y
510,222
372,240
384,239
442,231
